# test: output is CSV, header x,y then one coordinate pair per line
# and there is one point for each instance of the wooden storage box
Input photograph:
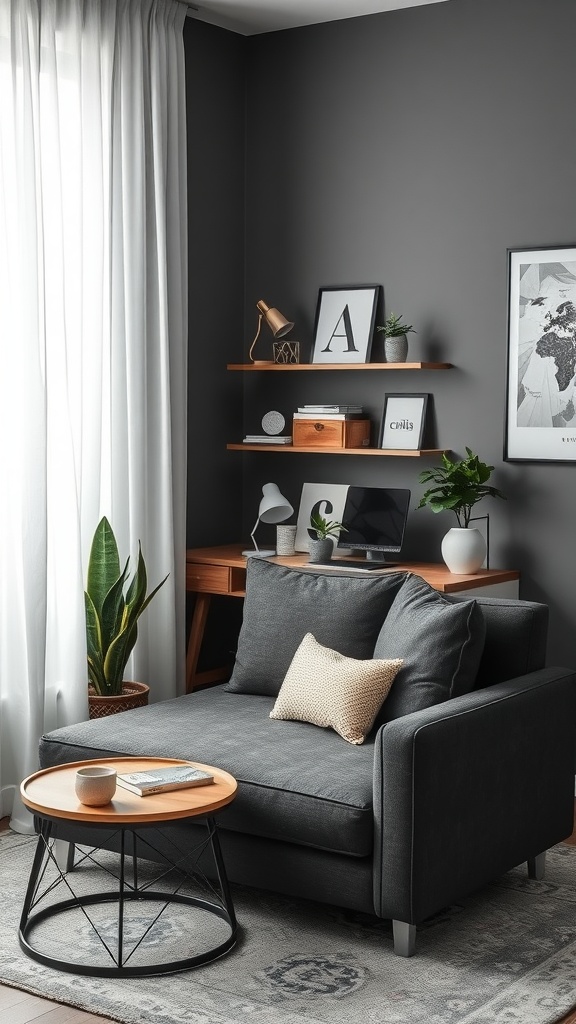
x,y
319,433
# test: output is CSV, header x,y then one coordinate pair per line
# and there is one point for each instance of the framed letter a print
x,y
345,324
541,400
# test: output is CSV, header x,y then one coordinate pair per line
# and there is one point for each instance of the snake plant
x,y
111,613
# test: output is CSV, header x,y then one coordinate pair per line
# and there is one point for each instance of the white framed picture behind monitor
x,y
327,500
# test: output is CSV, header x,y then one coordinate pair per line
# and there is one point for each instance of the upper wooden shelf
x,y
410,452
337,366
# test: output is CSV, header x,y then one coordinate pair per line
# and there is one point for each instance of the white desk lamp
x,y
274,508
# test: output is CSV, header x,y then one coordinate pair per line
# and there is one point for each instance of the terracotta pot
x,y
134,695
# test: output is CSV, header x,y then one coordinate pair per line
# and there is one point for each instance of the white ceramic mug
x,y
95,785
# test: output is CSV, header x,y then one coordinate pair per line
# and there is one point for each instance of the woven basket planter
x,y
134,695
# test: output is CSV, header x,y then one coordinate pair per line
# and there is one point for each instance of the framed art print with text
x,y
541,399
344,326
403,422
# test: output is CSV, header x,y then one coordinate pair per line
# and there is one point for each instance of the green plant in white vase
x,y
457,486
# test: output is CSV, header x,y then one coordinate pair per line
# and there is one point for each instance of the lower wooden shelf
x,y
309,450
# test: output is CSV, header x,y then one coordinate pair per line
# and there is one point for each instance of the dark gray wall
x,y
215,98
215,102
409,149
412,149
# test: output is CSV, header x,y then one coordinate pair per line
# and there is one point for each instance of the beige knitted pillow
x,y
327,689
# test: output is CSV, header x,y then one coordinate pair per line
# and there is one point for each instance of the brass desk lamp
x,y
277,323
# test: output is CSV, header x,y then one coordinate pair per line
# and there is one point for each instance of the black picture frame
x,y
541,355
403,422
344,324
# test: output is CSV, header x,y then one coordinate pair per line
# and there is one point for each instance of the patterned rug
x,y
506,955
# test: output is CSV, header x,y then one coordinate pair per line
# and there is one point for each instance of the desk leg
x,y
195,639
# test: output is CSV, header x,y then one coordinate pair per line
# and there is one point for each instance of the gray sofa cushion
x,y
298,783
516,638
441,643
282,605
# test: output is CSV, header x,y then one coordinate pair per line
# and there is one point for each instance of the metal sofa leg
x,y
70,857
64,854
537,866
404,938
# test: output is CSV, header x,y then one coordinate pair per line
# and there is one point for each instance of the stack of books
x,y
329,412
267,439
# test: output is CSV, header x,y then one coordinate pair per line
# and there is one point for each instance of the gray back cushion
x,y
516,638
441,643
282,605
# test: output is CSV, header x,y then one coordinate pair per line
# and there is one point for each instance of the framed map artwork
x,y
541,399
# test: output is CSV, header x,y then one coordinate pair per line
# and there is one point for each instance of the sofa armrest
x,y
467,789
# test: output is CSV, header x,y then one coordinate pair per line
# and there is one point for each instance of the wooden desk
x,y
222,570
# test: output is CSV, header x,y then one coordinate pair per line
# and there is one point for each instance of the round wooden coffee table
x,y
124,823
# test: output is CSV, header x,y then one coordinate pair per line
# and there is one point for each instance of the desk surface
x,y
436,574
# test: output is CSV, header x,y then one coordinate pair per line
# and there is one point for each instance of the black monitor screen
x,y
375,518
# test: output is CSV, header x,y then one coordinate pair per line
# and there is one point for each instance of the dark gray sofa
x,y
439,799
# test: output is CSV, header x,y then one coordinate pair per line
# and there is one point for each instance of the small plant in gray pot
x,y
321,532
395,340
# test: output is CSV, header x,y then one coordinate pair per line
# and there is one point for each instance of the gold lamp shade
x,y
277,323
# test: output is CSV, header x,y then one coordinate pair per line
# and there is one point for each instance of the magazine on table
x,y
162,780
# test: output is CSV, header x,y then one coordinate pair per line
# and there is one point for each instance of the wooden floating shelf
x,y
409,452
283,367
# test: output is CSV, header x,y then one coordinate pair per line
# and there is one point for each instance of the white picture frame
x,y
326,499
344,326
403,421
541,387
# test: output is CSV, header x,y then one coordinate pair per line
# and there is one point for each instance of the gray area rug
x,y
506,955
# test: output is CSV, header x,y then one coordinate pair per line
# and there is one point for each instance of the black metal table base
x,y
125,893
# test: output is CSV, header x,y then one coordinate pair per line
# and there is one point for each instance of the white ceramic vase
x,y
463,550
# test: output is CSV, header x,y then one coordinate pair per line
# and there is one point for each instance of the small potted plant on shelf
x,y
395,340
458,487
111,624
321,531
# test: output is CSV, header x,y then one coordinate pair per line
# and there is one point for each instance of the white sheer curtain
x,y
93,315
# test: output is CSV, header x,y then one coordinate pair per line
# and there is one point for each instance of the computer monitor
x,y
375,520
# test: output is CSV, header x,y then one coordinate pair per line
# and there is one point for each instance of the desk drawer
x,y
214,579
